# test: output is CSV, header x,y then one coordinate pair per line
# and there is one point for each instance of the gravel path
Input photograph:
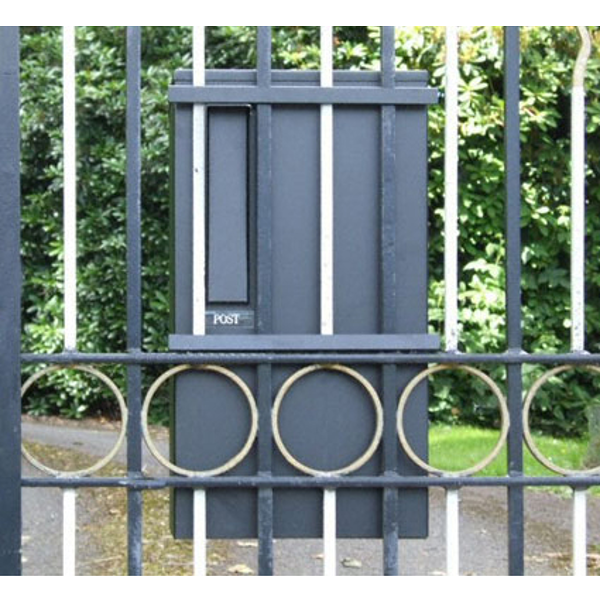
x,y
483,527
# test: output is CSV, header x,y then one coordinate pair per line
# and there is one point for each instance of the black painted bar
x,y
264,313
391,524
516,531
253,358
301,95
305,343
350,482
291,78
134,298
10,305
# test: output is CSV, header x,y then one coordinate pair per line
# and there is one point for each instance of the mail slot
x,y
228,205
269,300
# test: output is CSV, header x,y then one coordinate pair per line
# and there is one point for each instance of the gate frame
x,y
135,358
10,304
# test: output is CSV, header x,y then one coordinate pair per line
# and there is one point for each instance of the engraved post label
x,y
230,318
225,319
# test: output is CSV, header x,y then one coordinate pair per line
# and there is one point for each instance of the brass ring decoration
x,y
363,458
230,464
122,407
504,416
527,432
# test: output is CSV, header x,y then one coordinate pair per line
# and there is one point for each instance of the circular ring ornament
x,y
109,383
527,431
504,417
363,458
231,463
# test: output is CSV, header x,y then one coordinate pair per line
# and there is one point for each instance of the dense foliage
x,y
548,58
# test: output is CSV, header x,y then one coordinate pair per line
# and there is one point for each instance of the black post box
x,y
263,281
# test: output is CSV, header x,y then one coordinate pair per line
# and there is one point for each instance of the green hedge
x,y
548,58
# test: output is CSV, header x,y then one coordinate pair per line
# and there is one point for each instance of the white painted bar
x,y
578,195
578,161
451,264
452,533
199,262
329,533
578,220
69,496
451,191
199,532
69,531
327,185
69,189
199,189
327,328
579,533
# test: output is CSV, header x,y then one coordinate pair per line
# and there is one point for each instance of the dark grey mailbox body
x,y
263,279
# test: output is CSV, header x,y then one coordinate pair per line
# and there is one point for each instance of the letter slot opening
x,y
227,235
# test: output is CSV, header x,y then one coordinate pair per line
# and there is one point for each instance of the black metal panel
x,y
327,419
356,223
411,292
295,223
213,428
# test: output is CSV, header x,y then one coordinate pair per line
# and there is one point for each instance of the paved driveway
x,y
483,527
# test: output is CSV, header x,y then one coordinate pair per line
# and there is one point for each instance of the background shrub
x,y
548,58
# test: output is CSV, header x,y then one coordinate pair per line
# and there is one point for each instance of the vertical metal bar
x,y
451,191
514,334
452,532
264,267
10,304
329,532
264,53
327,324
578,195
265,495
388,298
578,161
134,298
326,185
579,532
199,262
70,260
69,531
388,187
391,522
451,262
200,532
199,188
70,189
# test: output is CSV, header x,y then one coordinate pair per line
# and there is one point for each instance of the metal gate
x,y
251,325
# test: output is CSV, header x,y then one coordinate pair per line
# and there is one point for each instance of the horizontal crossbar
x,y
255,358
302,95
303,343
350,482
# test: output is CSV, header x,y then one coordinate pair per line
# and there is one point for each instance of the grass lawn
x,y
454,448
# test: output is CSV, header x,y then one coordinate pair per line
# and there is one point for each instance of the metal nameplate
x,y
230,318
